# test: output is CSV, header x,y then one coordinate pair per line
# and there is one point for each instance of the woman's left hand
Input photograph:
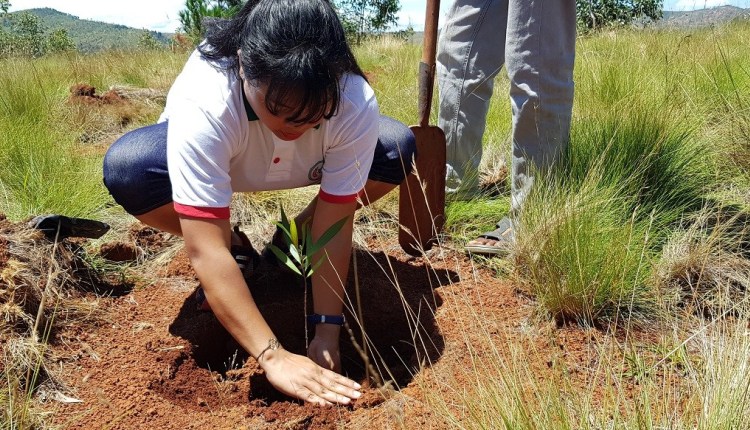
x,y
324,349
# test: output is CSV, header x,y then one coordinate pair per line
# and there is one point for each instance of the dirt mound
x,y
45,292
103,118
144,242
84,93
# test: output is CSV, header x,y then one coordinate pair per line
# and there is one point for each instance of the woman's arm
x,y
208,243
328,281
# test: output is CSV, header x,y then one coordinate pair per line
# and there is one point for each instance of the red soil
x,y
157,363
84,93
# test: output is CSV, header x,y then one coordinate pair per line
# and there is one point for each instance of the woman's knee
x,y
394,153
135,169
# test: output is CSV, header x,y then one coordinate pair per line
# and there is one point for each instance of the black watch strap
x,y
325,319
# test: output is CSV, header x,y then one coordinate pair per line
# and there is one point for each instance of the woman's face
x,y
277,123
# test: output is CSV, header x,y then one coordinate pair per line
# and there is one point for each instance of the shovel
x,y
421,203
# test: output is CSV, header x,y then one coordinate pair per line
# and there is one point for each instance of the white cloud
x,y
160,15
413,12
697,4
684,5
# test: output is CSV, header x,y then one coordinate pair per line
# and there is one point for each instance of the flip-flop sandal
x,y
503,235
68,227
247,259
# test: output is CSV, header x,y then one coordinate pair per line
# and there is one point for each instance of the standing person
x,y
272,99
536,41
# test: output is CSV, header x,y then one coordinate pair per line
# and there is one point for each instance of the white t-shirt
x,y
215,146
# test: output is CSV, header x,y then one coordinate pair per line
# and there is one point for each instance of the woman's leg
x,y
135,173
164,218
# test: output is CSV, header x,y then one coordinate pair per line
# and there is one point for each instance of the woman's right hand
x,y
298,376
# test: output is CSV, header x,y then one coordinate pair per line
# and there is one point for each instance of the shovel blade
x,y
421,204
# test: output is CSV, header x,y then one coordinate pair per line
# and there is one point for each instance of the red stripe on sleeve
x,y
331,198
201,212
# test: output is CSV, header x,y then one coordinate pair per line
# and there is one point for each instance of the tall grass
x,y
48,165
589,234
658,166
41,171
43,174
581,255
641,165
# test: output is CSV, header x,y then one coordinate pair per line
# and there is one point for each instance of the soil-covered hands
x,y
300,377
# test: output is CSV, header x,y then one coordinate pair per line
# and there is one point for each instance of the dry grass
x,y
41,287
704,268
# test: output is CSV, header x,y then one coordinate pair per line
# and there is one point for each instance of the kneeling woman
x,y
272,99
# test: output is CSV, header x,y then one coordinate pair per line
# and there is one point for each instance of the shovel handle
x,y
427,65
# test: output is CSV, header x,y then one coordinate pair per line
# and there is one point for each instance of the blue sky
x,y
161,15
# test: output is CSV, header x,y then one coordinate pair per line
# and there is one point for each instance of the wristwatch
x,y
325,319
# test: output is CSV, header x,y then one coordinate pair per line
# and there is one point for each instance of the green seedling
x,y
301,248
298,258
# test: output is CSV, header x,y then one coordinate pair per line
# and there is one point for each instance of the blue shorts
x,y
135,166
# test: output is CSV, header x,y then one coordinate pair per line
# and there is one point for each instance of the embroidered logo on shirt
x,y
316,172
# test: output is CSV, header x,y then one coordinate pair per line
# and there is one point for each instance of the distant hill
x,y
92,36
703,17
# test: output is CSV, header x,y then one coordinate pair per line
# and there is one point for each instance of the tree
x,y
148,42
27,36
191,18
593,14
5,38
60,41
363,17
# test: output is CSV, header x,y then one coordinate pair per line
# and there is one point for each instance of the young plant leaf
x,y
295,255
317,265
284,219
293,233
285,230
326,236
281,255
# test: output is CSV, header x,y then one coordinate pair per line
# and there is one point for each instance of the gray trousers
x,y
536,41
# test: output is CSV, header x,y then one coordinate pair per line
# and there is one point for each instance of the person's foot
x,y
61,227
496,242
244,254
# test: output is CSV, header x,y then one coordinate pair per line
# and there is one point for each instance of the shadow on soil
x,y
398,303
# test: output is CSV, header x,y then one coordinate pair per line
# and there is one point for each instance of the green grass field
x,y
643,227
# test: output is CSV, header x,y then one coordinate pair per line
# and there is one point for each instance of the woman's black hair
x,y
296,47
